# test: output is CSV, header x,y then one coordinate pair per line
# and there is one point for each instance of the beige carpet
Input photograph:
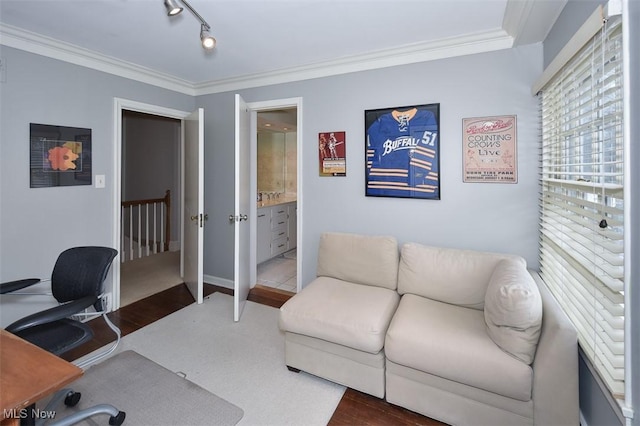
x,y
143,277
240,362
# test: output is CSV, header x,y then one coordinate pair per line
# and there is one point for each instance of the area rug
x,y
149,394
241,362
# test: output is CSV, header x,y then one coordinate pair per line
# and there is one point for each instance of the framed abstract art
x,y
59,156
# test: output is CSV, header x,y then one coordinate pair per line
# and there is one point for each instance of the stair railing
x,y
145,227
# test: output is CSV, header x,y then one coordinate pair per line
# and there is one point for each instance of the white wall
x,y
37,224
495,217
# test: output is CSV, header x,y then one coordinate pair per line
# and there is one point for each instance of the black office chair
x,y
77,283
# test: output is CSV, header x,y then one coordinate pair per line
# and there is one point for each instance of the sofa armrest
x,y
555,367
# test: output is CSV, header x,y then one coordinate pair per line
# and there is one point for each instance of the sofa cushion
x,y
353,315
361,259
513,310
451,342
459,277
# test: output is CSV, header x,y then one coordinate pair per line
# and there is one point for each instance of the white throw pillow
x,y
513,310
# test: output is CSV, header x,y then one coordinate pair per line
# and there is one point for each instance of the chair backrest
x,y
80,272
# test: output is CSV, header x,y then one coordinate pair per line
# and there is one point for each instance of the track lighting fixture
x,y
208,42
173,8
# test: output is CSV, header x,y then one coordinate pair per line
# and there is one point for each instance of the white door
x,y
240,217
193,217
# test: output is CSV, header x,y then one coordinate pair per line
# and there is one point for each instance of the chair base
x,y
71,398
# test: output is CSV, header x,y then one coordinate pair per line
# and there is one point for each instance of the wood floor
x,y
355,408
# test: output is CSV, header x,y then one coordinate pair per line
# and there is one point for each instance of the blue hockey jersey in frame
x,y
402,155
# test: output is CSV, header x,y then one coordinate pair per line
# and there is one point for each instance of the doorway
x,y
191,148
295,225
277,191
150,175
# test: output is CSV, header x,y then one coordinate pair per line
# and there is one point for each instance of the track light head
x,y
208,42
172,8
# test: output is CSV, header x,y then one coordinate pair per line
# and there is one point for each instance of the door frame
x,y
119,106
254,108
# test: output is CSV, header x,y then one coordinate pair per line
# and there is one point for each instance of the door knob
x,y
194,217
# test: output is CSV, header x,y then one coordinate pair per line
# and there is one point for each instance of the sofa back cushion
x,y
458,277
513,310
361,259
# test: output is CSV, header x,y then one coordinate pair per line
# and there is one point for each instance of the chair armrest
x,y
52,314
555,367
12,286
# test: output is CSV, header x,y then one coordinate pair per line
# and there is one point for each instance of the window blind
x,y
582,198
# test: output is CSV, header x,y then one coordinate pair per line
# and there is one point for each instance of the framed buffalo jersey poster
x,y
402,152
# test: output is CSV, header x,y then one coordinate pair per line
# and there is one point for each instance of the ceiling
x,y
263,42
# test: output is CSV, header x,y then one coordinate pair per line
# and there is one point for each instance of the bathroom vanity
x,y
276,227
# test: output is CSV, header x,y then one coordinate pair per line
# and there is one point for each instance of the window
x,y
582,214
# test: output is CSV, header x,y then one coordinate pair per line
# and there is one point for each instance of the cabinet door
x,y
263,249
293,225
279,215
278,246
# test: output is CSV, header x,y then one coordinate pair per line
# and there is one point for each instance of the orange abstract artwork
x,y
59,155
63,157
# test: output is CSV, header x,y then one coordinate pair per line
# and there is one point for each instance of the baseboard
x,y
221,282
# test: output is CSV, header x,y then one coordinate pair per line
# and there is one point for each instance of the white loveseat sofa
x,y
461,336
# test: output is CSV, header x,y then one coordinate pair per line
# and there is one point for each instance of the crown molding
x,y
413,53
515,18
528,21
45,46
408,54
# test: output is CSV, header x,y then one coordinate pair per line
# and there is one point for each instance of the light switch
x,y
100,181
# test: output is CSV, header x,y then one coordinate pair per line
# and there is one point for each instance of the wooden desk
x,y
27,374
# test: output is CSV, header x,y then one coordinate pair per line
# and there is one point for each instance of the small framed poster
x,y
332,153
489,146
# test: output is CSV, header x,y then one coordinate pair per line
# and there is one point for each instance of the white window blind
x,y
582,214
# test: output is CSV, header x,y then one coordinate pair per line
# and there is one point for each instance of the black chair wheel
x,y
72,399
117,420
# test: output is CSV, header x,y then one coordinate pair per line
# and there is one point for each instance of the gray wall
x,y
595,407
573,15
494,217
37,224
